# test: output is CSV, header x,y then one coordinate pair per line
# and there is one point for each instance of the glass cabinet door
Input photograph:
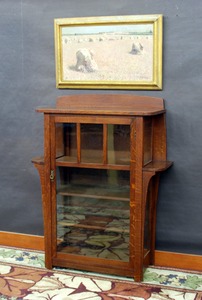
x,y
93,190
92,215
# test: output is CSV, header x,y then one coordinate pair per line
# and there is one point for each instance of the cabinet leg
x,y
138,277
155,187
39,165
48,263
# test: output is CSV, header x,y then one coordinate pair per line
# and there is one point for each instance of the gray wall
x,y
27,80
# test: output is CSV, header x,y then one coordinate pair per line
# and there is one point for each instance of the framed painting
x,y
120,52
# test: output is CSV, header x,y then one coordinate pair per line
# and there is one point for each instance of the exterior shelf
x,y
157,166
38,160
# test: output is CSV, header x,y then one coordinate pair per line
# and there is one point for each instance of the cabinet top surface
x,y
109,104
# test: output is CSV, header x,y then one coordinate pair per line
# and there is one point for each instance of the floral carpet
x,y
23,276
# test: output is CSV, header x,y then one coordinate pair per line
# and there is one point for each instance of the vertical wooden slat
x,y
105,143
78,140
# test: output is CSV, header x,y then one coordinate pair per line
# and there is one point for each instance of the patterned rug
x,y
23,276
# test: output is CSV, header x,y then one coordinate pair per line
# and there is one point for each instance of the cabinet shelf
x,y
116,193
67,161
82,226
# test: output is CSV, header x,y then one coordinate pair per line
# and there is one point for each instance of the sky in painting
x,y
96,29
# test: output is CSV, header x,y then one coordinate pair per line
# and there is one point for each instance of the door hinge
x,y
52,175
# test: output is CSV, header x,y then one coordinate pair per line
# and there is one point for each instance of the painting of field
x,y
115,57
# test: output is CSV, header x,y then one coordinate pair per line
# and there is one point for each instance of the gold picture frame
x,y
120,52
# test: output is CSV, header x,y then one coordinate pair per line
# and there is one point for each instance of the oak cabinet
x,y
99,177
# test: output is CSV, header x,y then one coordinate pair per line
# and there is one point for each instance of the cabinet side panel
x,y
159,137
147,140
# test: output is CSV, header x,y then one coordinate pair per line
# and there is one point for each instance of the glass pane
x,y
92,143
119,144
93,213
66,146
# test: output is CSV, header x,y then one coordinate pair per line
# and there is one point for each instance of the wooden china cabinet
x,y
99,177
